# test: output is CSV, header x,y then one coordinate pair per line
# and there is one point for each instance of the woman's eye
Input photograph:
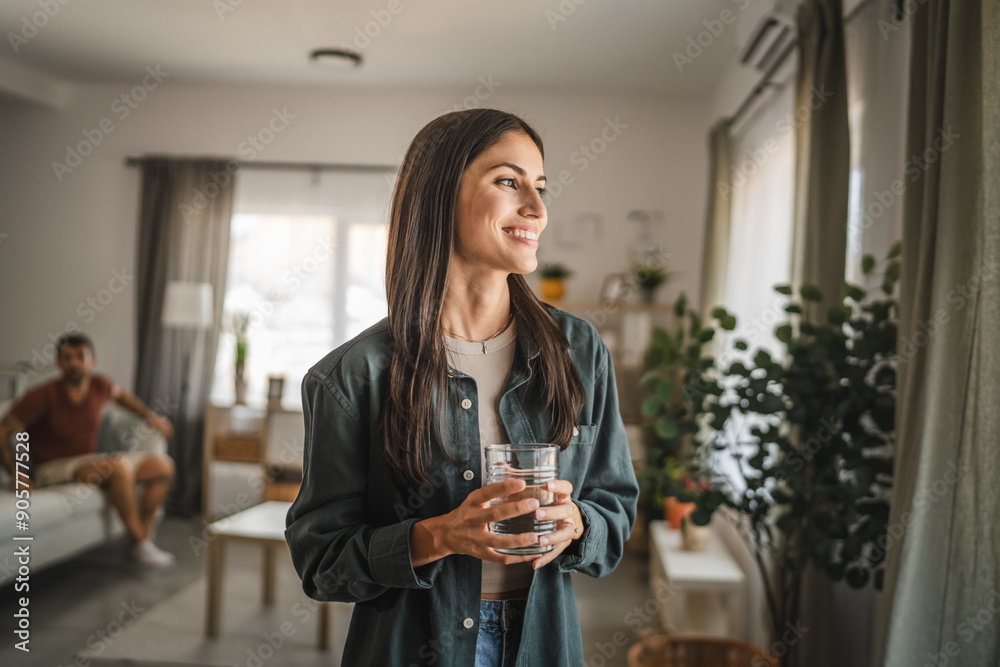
x,y
509,182
543,192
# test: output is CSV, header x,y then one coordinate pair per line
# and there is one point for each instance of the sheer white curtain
x,y
877,84
307,257
760,239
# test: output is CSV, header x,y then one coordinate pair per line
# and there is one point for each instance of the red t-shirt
x,y
57,426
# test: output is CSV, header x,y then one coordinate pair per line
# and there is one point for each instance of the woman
x,y
392,514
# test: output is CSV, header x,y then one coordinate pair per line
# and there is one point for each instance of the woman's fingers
x,y
561,488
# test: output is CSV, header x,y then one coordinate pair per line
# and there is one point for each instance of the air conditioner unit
x,y
770,37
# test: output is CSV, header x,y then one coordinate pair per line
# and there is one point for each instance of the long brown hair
x,y
419,252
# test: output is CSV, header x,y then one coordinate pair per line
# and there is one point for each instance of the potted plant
x,y
648,278
554,277
241,328
809,482
672,410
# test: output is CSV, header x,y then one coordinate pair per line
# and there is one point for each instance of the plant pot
x,y
693,537
674,511
647,294
553,289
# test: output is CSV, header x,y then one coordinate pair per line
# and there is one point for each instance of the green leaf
x,y
705,335
665,389
719,313
680,306
651,405
783,289
811,293
894,251
867,264
854,292
729,323
665,427
784,333
892,271
793,308
660,337
762,359
740,345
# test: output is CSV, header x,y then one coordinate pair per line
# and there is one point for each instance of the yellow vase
x,y
553,288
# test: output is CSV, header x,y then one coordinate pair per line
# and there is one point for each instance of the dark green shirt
x,y
348,529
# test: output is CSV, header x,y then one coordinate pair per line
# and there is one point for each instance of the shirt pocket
x,y
584,434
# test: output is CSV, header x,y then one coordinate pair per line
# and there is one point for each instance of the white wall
x,y
61,242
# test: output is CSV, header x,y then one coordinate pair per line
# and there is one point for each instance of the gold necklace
x,y
485,349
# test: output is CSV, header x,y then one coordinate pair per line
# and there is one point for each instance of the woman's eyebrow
x,y
517,169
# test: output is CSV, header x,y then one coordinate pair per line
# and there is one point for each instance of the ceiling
x,y
599,45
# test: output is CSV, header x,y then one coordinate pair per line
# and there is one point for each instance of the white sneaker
x,y
151,555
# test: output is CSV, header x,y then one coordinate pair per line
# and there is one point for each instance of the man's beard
x,y
75,379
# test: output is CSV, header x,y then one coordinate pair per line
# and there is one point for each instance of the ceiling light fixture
x,y
335,58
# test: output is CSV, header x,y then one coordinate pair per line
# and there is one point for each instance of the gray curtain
x,y
822,153
184,235
943,558
716,257
819,239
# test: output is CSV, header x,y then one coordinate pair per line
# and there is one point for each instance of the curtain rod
x,y
301,166
765,81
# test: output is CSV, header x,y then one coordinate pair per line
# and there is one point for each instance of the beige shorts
x,y
61,471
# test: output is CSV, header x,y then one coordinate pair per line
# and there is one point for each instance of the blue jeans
x,y
499,632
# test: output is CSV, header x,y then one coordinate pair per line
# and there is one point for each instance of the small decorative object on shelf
x,y
241,327
554,277
275,388
648,277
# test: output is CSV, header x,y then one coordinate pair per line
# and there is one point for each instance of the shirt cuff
x,y
390,560
584,551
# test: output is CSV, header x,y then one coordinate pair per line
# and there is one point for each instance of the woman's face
x,y
500,213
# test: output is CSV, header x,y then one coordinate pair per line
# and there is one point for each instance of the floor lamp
x,y
187,306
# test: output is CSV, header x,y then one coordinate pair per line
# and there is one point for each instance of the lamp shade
x,y
188,305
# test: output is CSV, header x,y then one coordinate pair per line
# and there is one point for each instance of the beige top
x,y
490,370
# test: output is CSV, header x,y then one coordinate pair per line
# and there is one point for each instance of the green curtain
x,y
822,153
716,257
819,239
942,593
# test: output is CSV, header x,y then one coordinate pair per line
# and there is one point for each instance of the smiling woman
x,y
467,357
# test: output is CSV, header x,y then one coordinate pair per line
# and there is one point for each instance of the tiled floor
x,y
77,605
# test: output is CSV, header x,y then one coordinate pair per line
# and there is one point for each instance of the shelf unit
x,y
626,329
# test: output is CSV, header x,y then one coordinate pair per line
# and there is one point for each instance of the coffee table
x,y
265,525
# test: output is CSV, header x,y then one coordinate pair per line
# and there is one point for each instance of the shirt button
x,y
468,475
466,403
576,431
468,623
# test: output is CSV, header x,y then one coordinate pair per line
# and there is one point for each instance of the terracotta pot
x,y
553,289
674,510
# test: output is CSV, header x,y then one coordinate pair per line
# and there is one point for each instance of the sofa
x,y
68,519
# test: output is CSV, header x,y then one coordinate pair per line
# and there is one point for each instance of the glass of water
x,y
537,465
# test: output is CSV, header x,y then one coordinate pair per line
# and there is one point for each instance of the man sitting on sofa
x,y
63,418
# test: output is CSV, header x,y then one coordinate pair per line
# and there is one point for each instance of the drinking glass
x,y
537,465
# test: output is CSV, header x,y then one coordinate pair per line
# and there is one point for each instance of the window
x,y
306,265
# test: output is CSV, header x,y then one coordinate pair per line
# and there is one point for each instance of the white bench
x,y
707,589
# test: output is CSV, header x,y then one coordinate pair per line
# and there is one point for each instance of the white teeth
x,y
524,234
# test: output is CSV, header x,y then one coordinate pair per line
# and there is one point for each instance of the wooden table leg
x,y
269,578
324,626
216,563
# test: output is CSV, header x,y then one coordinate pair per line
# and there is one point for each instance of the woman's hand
x,y
569,528
466,530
